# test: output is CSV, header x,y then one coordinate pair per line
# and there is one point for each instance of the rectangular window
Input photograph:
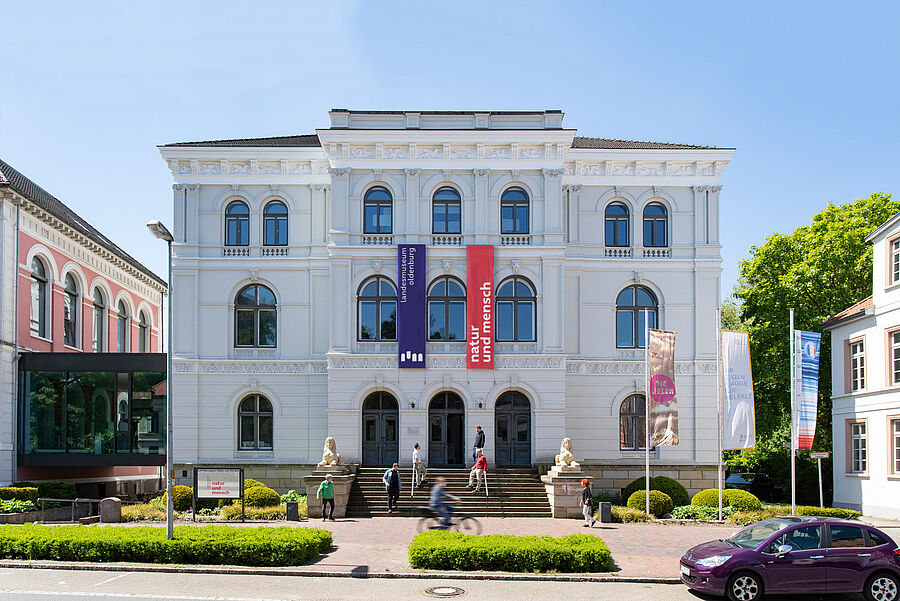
x,y
625,329
368,320
858,462
895,357
857,366
505,326
847,537
895,445
895,261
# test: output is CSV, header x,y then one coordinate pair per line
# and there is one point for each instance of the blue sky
x,y
806,91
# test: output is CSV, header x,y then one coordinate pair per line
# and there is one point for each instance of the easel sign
x,y
218,483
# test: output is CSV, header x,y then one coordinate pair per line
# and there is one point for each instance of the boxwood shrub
x,y
192,544
261,496
442,550
673,488
19,494
182,497
251,483
732,497
660,502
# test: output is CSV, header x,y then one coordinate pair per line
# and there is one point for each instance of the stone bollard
x,y
111,510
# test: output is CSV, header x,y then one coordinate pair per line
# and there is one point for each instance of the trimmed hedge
x,y
770,511
10,493
233,512
628,515
660,502
831,512
673,488
261,496
54,489
731,497
219,545
701,512
442,550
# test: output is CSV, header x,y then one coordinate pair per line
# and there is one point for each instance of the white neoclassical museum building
x,y
294,288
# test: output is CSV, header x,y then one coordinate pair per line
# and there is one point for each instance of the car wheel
x,y
883,587
744,586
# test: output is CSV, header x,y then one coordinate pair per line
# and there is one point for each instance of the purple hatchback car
x,y
796,555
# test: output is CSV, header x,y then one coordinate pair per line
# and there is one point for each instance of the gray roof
x,y
313,140
12,178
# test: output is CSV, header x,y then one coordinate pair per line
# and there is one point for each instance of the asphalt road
x,y
66,585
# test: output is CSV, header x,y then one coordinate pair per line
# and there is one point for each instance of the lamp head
x,y
159,230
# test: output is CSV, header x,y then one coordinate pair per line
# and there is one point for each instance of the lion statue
x,y
566,457
330,456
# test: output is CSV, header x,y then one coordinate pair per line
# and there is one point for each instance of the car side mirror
x,y
783,550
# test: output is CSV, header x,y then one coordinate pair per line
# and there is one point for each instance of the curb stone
x,y
244,571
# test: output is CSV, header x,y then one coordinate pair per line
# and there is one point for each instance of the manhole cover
x,y
444,591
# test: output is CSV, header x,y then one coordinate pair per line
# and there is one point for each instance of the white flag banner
x,y
740,420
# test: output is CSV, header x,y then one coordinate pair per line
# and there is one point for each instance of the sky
x,y
806,91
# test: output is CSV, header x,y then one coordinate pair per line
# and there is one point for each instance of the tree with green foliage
x,y
818,270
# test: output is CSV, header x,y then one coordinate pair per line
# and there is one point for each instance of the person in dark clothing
x,y
587,504
479,443
391,481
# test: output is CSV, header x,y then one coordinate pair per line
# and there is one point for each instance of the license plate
x,y
685,571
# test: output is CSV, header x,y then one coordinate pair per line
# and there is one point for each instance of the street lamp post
x,y
159,230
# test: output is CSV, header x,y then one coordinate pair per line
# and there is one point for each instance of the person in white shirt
x,y
418,467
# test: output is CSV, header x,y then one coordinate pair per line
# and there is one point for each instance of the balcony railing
x,y
657,252
617,252
264,251
515,239
236,251
378,239
274,251
446,240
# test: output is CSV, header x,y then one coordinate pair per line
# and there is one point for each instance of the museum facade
x,y
400,277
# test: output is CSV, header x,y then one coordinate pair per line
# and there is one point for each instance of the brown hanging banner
x,y
663,402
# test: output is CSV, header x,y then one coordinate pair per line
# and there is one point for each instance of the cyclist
x,y
439,503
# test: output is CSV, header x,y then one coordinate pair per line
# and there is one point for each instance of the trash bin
x,y
293,511
605,513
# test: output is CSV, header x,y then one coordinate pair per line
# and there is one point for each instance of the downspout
x,y
15,374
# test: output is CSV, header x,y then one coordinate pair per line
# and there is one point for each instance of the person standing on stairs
x,y
418,467
479,443
391,481
478,471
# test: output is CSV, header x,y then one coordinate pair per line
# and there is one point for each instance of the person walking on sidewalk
x,y
391,481
477,471
418,467
479,443
326,493
587,504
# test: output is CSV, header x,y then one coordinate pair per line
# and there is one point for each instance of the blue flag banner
x,y
806,386
411,323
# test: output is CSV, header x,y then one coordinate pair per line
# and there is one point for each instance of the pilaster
x,y
482,189
340,206
412,205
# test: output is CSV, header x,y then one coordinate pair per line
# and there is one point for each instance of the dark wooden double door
x,y
381,419
512,433
446,430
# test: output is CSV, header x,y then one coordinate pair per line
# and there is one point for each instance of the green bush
x,y
701,512
182,497
673,488
261,496
143,512
627,515
660,502
770,511
264,546
23,485
731,497
831,512
53,489
742,518
233,512
16,506
442,550
19,494
293,495
251,483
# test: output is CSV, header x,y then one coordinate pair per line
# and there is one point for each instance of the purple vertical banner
x,y
411,324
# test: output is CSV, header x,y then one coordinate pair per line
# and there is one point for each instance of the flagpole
x,y
647,408
793,417
719,401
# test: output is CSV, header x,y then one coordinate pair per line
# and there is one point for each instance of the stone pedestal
x,y
342,476
111,510
563,485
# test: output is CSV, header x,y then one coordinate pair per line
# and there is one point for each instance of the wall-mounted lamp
x,y
412,404
480,405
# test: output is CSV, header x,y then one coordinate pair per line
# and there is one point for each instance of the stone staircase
x,y
515,493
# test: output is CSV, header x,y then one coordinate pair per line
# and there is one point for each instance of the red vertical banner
x,y
480,318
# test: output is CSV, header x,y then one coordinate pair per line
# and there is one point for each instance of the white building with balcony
x,y
286,282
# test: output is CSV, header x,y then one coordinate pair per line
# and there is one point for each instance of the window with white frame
x,y
70,312
895,357
38,298
255,424
143,333
895,261
857,366
858,459
122,328
895,444
99,321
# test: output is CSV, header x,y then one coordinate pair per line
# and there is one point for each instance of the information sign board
x,y
218,483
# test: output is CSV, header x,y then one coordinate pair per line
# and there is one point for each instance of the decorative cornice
x,y
552,172
338,172
249,367
636,367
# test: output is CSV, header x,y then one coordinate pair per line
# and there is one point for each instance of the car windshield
x,y
756,534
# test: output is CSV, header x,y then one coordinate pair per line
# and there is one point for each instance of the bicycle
x,y
431,520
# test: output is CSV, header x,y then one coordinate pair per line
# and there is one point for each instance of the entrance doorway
x,y
446,419
512,414
380,415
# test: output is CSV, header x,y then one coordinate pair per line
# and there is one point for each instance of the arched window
x,y
516,311
275,223
514,212
632,304
656,222
617,225
255,424
378,309
143,333
255,317
122,327
38,298
446,212
70,312
377,207
633,423
99,321
446,309
237,224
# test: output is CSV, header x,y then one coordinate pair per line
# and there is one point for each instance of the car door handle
x,y
864,554
816,556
